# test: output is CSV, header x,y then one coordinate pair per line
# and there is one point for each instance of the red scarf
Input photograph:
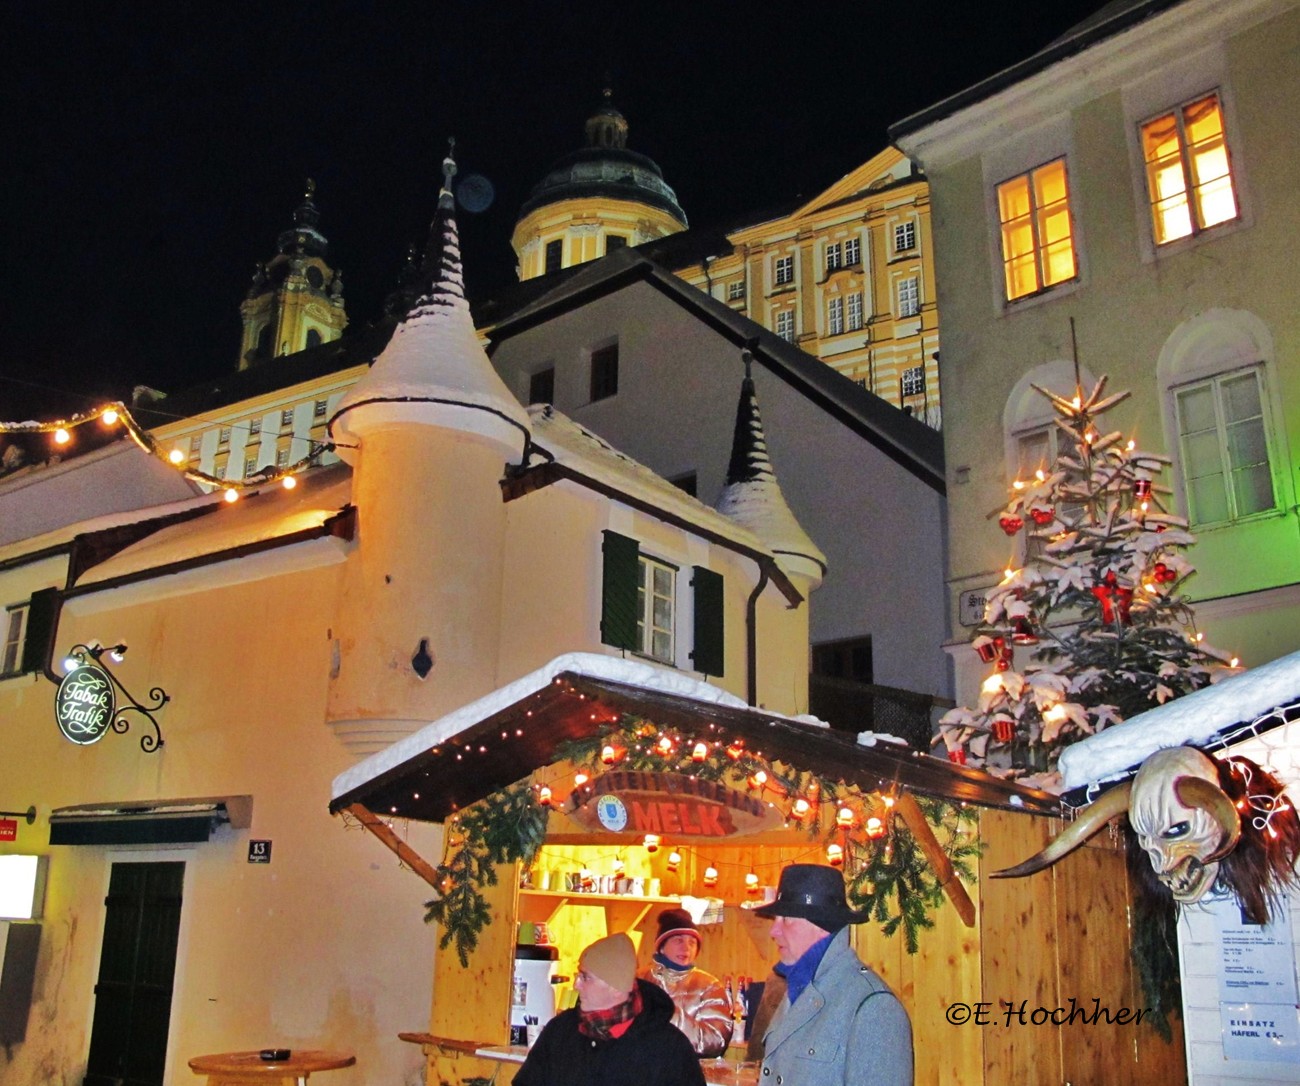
x,y
605,1025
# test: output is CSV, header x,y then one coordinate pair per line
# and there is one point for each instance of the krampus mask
x,y
1183,820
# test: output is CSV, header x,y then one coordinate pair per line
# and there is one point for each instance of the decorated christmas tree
x,y
1089,624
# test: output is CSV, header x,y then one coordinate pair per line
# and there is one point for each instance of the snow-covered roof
x,y
1196,718
753,496
258,517
588,454
434,370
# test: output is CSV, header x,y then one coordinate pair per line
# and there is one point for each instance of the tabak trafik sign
x,y
630,801
84,705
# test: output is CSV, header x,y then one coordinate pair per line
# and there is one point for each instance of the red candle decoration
x,y
1003,729
1011,524
1022,632
957,755
1141,489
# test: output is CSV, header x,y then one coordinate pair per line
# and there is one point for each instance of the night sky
x,y
155,150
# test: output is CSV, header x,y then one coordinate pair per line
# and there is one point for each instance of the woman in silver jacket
x,y
703,1011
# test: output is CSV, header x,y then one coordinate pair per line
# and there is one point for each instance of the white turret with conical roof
x,y
753,497
429,432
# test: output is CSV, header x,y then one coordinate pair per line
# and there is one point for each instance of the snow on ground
x,y
1196,719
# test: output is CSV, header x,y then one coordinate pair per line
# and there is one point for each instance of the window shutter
x,y
40,628
708,654
618,611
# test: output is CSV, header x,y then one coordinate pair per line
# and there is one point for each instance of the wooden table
x,y
249,1069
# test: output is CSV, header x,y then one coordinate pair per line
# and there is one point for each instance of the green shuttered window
x,y
707,654
618,612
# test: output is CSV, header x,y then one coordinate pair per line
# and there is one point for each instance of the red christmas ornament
x,y
1115,599
1042,516
1003,729
1022,632
990,650
1011,525
1141,489
957,756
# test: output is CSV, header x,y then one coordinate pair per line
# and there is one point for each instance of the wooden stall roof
x,y
508,744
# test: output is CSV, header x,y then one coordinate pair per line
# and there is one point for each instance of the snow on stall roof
x,y
647,676
257,517
1196,718
574,446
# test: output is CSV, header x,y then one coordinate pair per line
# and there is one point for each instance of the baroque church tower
x,y
296,299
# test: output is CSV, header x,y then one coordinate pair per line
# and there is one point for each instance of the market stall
x,y
618,789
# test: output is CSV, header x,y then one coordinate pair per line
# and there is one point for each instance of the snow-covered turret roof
x,y
434,371
753,498
1197,718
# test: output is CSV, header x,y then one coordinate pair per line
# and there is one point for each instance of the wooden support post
x,y
405,852
914,817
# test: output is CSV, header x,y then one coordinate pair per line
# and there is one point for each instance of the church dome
x,y
605,167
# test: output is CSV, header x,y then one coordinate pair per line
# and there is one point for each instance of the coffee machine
x,y
532,998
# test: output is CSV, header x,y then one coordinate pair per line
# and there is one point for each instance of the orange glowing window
x,y
1189,174
1037,235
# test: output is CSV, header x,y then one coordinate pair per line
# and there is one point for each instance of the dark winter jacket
x,y
653,1052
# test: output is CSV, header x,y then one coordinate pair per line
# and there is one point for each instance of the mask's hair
x,y
1262,868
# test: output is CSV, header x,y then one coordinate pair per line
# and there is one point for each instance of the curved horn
x,y
1214,801
1090,820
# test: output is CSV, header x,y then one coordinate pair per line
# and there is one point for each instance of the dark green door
x,y
133,996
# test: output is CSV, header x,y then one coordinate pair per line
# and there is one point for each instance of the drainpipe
x,y
751,636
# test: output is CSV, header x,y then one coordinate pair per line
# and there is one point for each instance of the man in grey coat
x,y
838,1024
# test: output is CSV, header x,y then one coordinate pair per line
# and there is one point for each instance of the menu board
x,y
1257,986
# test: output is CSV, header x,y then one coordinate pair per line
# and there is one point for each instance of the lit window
x,y
281,458
785,324
1037,237
318,409
833,256
224,437
913,383
735,290
1224,448
904,236
13,643
854,312
286,418
1189,175
909,297
604,372
835,316
783,270
254,427
250,466
654,599
852,252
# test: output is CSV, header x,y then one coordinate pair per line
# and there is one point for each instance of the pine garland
x,y
504,827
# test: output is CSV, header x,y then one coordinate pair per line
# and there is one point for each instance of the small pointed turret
x,y
434,371
753,498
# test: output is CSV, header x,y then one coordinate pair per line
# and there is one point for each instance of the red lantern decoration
x,y
835,855
957,755
700,752
1003,729
608,755
544,796
875,828
1011,524
1141,489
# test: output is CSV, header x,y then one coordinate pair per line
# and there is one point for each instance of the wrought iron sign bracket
x,y
86,709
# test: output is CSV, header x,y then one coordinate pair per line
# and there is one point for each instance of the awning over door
x,y
155,822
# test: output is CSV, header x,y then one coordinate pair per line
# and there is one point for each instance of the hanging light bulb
x,y
176,456
710,876
61,436
651,842
834,855
800,808
71,663
619,865
735,750
875,828
758,779
674,858
751,883
289,482
888,801
544,796
232,495
665,745
579,779
700,752
844,817
110,417
608,754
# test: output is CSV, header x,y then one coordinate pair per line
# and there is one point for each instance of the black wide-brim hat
x,y
813,892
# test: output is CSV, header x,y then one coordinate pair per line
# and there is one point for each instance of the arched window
x,y
1028,420
1218,409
